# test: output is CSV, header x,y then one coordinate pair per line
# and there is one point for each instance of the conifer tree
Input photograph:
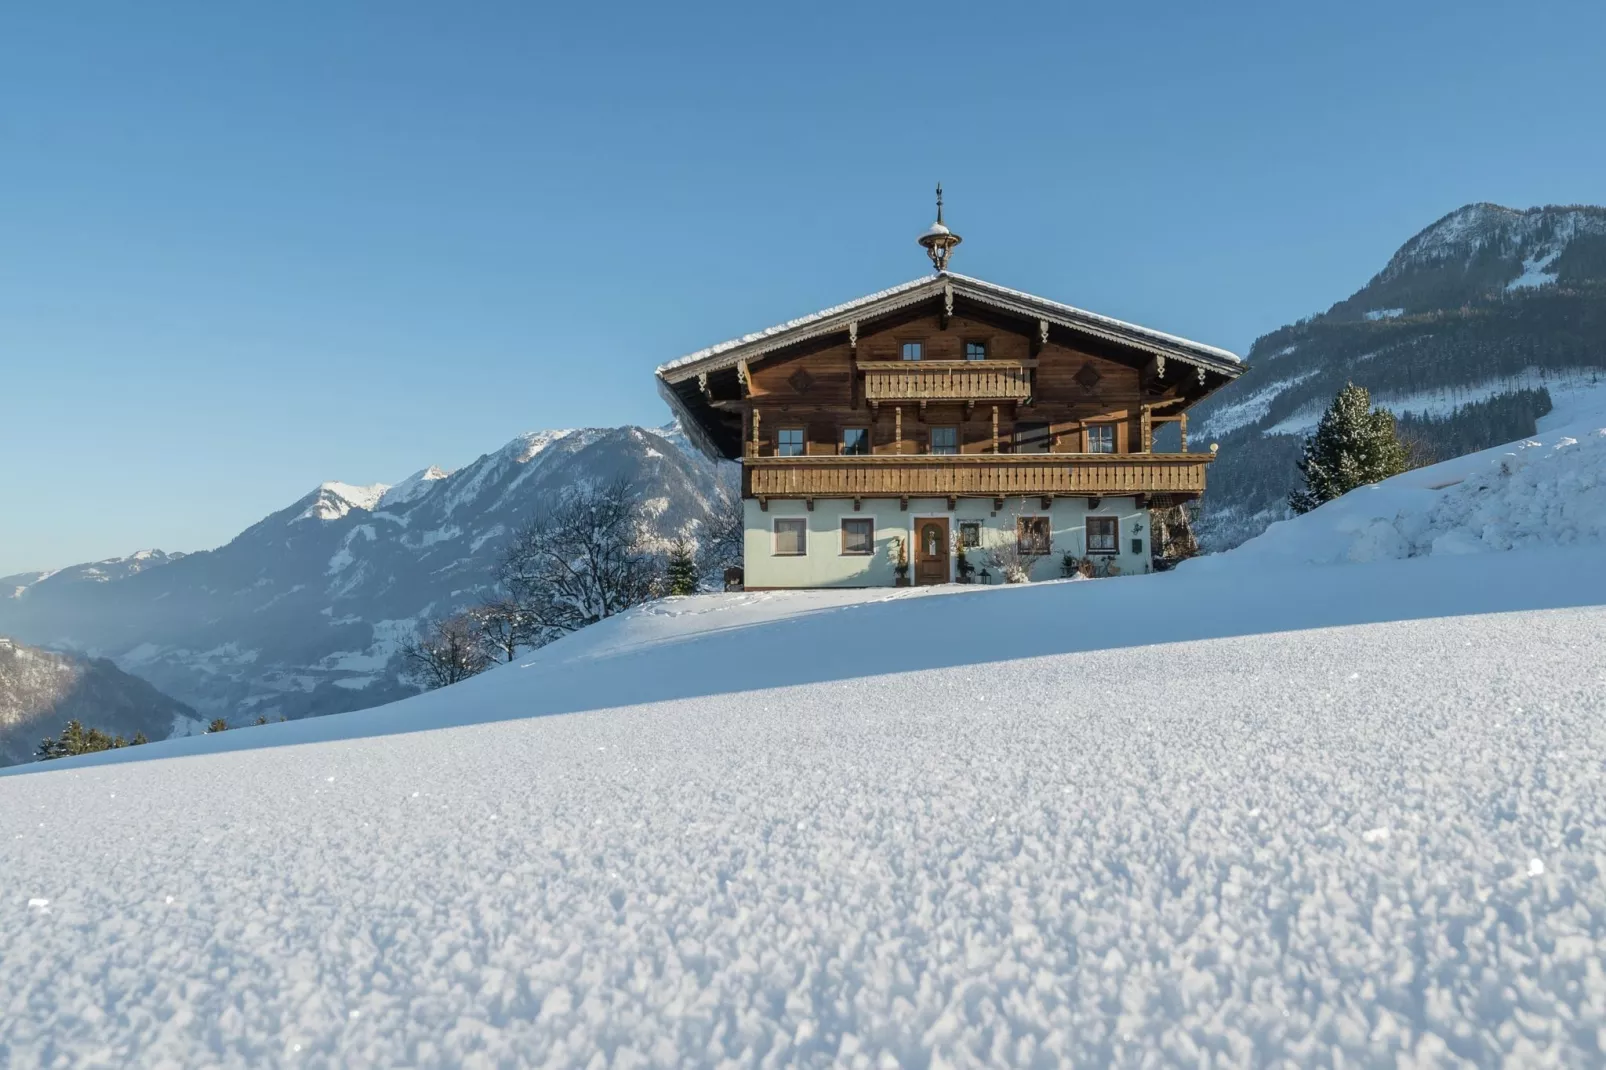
x,y
1353,445
682,567
218,725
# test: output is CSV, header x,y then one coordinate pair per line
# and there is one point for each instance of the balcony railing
x,y
983,475
894,381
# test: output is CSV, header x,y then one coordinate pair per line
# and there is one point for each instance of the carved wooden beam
x,y
953,503
947,304
1047,502
857,502
744,377
809,503
903,504
763,504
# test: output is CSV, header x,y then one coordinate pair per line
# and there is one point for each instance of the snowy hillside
x,y
1476,327
1257,811
303,612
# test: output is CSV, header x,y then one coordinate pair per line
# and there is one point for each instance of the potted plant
x,y
963,567
900,561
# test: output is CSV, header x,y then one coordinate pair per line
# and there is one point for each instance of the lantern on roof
x,y
938,240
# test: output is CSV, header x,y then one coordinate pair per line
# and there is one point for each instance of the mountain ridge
x,y
1470,333
303,612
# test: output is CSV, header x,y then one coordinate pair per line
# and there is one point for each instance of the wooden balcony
x,y
981,475
896,381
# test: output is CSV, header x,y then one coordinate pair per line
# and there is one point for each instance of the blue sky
x,y
246,251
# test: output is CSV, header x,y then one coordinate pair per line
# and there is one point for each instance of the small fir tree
x,y
682,575
218,725
1353,445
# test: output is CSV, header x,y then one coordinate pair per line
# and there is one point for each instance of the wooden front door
x,y
931,551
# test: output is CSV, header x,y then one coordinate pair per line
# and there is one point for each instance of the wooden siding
x,y
976,475
947,380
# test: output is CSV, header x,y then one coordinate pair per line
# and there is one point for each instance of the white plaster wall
x,y
824,565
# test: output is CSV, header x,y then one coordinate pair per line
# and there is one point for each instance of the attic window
x,y
913,350
975,350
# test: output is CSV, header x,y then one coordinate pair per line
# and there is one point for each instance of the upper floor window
x,y
1100,438
975,350
789,442
1103,534
945,440
969,534
913,351
1032,438
855,441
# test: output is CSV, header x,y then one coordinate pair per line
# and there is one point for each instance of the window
x,y
789,442
969,534
855,441
1103,534
858,537
1031,534
975,350
913,350
791,537
945,440
1100,438
1031,438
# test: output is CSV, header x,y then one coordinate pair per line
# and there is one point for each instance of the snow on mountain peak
x,y
413,487
333,500
1533,235
527,445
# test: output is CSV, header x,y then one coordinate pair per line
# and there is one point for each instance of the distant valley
x,y
303,613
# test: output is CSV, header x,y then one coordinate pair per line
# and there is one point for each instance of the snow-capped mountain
x,y
1473,330
41,690
303,612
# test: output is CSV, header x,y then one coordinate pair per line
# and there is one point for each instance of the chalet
x,y
947,420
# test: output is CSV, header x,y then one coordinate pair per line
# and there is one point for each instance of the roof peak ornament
x,y
938,240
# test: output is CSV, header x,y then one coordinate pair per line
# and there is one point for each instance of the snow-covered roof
x,y
727,353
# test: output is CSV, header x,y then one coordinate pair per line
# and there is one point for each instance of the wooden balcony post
x,y
995,428
1182,424
897,424
755,432
1146,428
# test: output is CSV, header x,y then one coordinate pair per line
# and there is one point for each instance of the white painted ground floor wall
x,y
823,564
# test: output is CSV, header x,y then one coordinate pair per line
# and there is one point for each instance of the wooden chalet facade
x,y
942,415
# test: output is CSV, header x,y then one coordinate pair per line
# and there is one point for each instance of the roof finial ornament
x,y
939,241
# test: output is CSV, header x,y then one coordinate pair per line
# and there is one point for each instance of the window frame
x,y
981,345
919,351
843,550
962,525
1115,535
775,536
803,442
1046,440
1087,438
841,441
931,440
1048,534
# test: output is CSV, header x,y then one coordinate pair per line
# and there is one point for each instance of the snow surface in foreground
x,y
1378,839
1259,810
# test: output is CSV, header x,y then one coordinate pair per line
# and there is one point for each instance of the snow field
x,y
1273,847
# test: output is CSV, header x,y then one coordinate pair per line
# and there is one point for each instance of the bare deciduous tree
x,y
581,561
503,628
720,537
449,652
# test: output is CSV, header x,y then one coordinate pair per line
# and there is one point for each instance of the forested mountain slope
x,y
1469,334
41,690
